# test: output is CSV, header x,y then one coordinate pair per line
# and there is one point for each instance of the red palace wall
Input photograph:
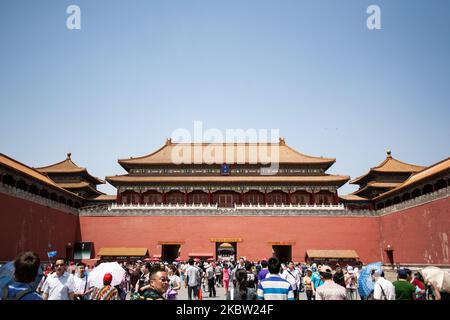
x,y
360,234
25,226
420,234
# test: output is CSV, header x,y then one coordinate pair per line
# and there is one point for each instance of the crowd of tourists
x,y
241,280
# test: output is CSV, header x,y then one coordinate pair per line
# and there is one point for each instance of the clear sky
x,y
138,70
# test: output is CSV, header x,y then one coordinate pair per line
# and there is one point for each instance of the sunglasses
x,y
164,279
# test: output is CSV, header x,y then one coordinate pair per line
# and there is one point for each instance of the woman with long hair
x,y
242,291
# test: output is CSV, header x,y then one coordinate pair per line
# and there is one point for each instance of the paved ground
x,y
390,275
220,294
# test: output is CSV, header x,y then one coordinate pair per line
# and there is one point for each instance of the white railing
x,y
115,206
291,206
146,206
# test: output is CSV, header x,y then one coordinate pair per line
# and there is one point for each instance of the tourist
x,y
182,267
60,284
159,284
193,280
241,264
419,285
273,287
26,268
82,289
210,277
403,289
218,274
383,289
338,276
307,282
329,290
226,278
174,283
242,291
107,292
252,279
264,270
316,279
144,280
293,277
351,283
431,276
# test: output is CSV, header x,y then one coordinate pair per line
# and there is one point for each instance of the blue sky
x,y
138,70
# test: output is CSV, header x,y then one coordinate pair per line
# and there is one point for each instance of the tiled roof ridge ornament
x,y
69,155
282,141
168,141
388,153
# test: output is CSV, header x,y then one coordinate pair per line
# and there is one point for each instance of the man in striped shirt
x,y
274,287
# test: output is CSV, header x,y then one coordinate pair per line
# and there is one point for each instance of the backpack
x,y
18,296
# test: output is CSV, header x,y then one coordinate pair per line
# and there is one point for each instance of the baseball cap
x,y
402,272
107,278
325,269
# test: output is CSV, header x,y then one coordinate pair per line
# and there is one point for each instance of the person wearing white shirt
x,y
82,287
293,277
60,284
383,289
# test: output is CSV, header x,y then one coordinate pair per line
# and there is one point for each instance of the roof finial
x,y
388,152
282,141
69,155
168,141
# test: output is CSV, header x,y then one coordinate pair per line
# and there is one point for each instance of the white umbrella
x,y
96,275
439,277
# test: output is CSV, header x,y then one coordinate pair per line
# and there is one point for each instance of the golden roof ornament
x,y
388,153
69,154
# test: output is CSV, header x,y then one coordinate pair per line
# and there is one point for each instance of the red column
x,y
209,197
119,198
241,199
289,197
163,197
186,197
265,196
141,198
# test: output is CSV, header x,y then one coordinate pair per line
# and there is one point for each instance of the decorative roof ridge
x,y
75,168
281,142
412,176
50,182
377,168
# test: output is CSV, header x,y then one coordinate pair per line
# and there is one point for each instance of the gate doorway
x,y
226,251
283,253
169,252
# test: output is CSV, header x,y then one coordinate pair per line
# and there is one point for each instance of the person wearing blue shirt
x,y
316,280
26,267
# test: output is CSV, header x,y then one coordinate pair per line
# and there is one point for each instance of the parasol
x,y
439,277
96,275
365,282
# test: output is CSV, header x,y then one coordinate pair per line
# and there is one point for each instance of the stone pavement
x,y
220,294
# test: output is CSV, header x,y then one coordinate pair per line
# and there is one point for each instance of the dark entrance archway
x,y
169,252
282,252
